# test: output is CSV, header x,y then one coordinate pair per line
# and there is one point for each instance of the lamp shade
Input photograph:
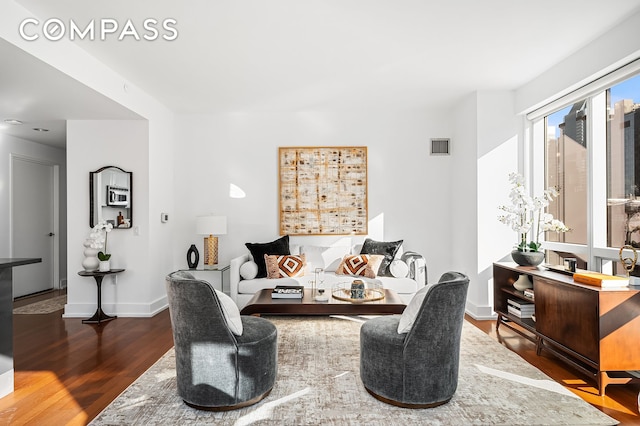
x,y
211,225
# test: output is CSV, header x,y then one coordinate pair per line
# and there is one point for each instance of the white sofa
x,y
328,258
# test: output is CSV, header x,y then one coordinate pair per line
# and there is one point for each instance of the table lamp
x,y
211,225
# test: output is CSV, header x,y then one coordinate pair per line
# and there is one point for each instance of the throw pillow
x,y
285,266
249,270
398,268
410,313
387,249
364,265
231,313
258,250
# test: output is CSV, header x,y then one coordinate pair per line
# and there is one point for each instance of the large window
x,y
592,157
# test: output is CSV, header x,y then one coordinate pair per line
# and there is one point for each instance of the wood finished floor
x,y
67,372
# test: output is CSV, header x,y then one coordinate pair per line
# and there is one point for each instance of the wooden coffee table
x,y
263,303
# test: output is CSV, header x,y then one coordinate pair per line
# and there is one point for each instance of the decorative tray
x,y
342,291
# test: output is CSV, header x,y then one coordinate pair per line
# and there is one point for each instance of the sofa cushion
x,y
231,313
258,250
386,249
248,270
327,258
364,265
285,265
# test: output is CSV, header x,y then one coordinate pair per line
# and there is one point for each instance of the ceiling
x,y
292,55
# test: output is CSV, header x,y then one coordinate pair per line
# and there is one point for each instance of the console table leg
x,y
99,316
538,345
603,381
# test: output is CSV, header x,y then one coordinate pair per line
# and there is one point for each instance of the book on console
x,y
601,280
287,292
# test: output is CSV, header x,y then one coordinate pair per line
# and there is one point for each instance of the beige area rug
x,y
319,384
43,307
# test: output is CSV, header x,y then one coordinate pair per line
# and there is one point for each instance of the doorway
x,y
34,223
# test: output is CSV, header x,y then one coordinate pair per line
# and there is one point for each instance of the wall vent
x,y
440,146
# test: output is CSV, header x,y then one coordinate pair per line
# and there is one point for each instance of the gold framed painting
x,y
323,190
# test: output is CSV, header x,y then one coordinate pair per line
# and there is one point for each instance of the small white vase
x,y
90,261
522,283
105,265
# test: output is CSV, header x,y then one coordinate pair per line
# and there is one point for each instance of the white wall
x,y
12,145
90,146
488,133
409,190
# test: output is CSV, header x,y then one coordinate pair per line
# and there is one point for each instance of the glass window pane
x,y
566,170
623,164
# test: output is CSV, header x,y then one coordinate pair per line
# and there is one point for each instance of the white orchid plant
x,y
98,237
526,214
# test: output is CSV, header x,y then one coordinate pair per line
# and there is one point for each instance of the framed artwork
x,y
323,190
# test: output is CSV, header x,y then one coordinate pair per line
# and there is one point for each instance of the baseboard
x,y
125,310
479,312
6,383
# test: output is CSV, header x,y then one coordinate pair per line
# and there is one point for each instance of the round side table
x,y
99,316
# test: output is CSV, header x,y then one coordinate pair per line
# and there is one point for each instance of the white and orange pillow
x,y
362,265
285,266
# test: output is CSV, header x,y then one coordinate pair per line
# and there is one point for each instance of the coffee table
x,y
263,303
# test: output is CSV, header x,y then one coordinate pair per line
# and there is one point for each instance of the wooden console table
x,y
595,330
99,316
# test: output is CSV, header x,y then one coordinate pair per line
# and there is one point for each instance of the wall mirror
x,y
110,197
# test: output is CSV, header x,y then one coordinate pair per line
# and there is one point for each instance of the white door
x,y
32,220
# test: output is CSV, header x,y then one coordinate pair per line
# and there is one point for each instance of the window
x,y
623,164
566,170
591,141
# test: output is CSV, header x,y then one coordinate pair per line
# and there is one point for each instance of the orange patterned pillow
x,y
284,265
363,265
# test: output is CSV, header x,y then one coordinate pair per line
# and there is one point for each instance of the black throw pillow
x,y
387,249
258,250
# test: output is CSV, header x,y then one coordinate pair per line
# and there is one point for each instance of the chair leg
x,y
405,405
230,407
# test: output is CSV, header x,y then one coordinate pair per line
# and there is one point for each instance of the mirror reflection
x,y
110,197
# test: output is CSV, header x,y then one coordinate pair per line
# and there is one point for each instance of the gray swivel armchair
x,y
417,369
215,368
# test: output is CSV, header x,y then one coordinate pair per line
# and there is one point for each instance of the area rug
x,y
43,307
318,383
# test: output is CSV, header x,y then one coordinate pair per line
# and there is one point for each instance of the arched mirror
x,y
110,197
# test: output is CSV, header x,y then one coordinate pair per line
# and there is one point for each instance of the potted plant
x,y
526,216
99,235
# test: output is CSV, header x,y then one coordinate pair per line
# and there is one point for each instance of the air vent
x,y
440,146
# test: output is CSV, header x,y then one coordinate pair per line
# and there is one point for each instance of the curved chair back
x,y
434,339
195,310
215,368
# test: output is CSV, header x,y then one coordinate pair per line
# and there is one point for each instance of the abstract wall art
x,y
323,190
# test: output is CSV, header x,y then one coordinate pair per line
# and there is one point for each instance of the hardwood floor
x,y
67,372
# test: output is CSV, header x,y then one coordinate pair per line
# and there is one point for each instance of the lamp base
x,y
210,251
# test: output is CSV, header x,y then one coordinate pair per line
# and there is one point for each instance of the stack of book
x,y
287,292
520,309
